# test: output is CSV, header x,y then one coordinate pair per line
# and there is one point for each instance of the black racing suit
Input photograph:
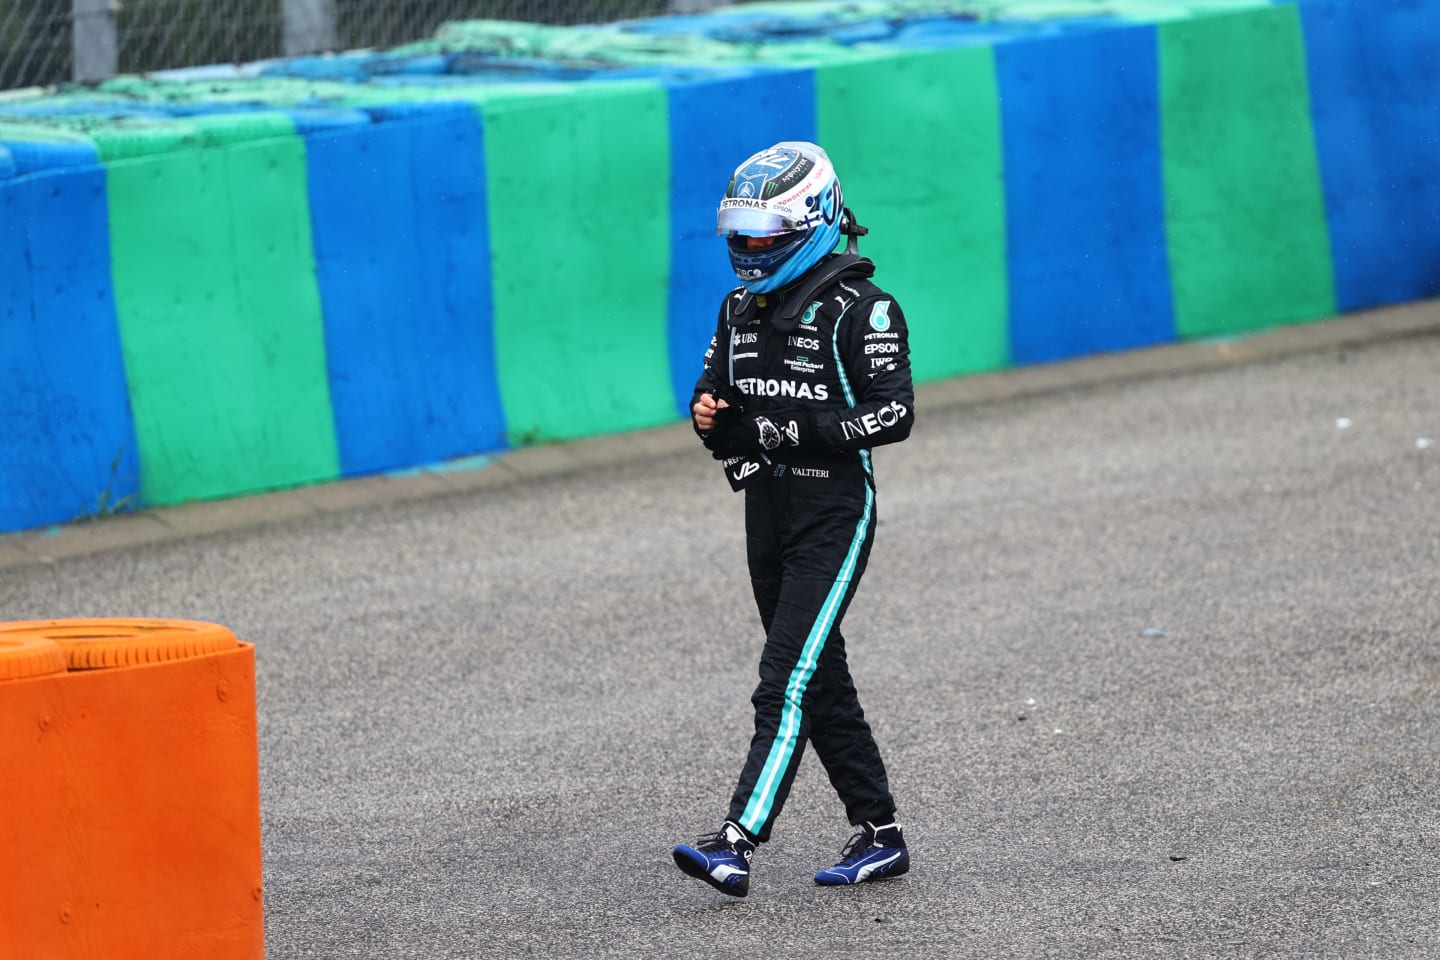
x,y
809,522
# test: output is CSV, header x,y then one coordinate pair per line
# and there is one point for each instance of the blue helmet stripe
x,y
822,240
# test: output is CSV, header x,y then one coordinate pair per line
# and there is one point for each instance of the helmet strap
x,y
851,230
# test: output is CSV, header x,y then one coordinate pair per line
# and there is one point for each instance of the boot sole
x,y
692,869
901,868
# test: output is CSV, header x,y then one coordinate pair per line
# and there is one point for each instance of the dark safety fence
x,y
46,42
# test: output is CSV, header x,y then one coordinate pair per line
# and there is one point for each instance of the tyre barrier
x,y
22,657
132,816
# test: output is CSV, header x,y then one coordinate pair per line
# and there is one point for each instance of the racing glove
x,y
738,435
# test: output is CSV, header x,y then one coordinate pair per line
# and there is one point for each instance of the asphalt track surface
x,y
1154,666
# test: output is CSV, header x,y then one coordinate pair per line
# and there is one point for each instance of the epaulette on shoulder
x,y
739,307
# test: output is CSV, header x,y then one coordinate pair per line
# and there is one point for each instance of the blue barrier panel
x,y
67,442
956,32
1085,207
78,107
714,126
1374,89
703,24
350,66
313,120
398,214
33,156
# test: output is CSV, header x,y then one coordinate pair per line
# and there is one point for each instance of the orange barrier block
x,y
129,795
29,656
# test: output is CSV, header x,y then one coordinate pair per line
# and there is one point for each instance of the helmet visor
x,y
752,222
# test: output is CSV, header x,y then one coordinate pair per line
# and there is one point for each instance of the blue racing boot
x,y
720,859
875,853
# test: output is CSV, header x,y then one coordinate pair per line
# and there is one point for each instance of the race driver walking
x,y
809,368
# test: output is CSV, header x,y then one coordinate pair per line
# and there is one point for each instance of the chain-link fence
x,y
51,41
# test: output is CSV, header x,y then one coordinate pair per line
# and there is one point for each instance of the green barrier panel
x,y
592,46
916,142
124,137
579,221
1245,218
12,129
275,92
148,137
220,317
